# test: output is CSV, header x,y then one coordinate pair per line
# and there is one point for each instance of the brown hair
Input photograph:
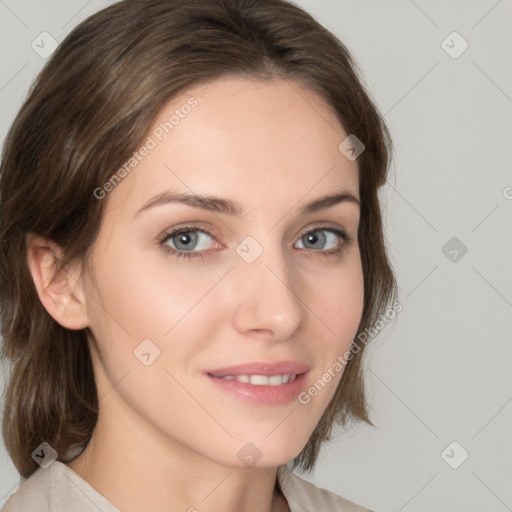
x,y
85,115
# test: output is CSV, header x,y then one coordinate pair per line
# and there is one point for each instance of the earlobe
x,y
60,292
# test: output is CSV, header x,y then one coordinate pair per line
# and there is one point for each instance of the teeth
x,y
263,380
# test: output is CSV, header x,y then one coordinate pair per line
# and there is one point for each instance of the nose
x,y
266,294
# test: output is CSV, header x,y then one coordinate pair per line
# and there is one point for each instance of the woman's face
x,y
272,283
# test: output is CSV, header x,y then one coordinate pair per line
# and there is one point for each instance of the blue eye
x,y
184,242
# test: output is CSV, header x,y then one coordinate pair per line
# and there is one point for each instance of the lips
x,y
261,383
267,369
262,380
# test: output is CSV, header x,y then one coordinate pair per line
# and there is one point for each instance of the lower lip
x,y
262,395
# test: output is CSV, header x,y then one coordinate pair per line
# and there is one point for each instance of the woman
x,y
191,242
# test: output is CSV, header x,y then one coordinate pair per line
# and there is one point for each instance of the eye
x,y
183,241
317,238
192,242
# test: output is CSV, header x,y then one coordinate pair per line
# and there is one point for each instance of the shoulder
x,y
56,489
305,496
30,495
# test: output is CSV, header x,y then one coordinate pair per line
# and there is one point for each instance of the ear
x,y
60,292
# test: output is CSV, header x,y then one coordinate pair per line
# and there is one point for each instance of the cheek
x,y
147,322
161,308
339,302
150,298
337,299
350,307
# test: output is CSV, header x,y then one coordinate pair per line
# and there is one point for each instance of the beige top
x,y
59,489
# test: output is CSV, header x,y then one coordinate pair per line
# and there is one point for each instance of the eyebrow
x,y
229,207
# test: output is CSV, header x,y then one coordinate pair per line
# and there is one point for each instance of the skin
x,y
165,434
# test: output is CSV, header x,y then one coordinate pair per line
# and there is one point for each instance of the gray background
x,y
442,371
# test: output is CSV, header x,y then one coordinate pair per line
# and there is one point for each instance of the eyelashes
x,y
184,254
343,238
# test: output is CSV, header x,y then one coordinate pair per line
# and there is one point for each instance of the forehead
x,y
272,140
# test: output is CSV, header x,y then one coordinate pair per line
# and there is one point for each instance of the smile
x,y
262,380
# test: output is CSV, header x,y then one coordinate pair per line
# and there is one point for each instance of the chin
x,y
258,451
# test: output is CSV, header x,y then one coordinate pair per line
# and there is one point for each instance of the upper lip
x,y
261,368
